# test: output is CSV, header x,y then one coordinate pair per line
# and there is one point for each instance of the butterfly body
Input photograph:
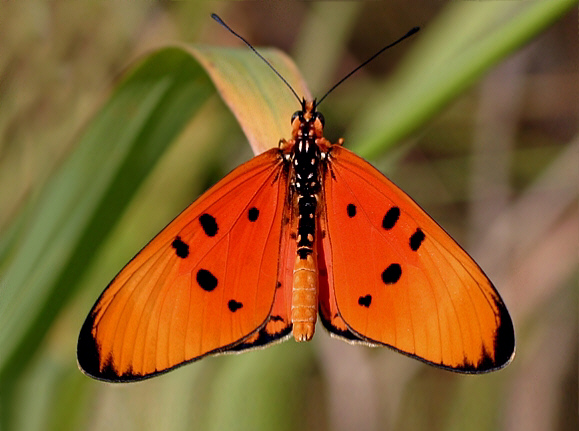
x,y
304,155
302,229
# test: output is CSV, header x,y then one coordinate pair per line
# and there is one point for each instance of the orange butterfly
x,y
304,228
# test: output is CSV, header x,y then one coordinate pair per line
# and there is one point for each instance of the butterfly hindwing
x,y
205,284
279,326
328,309
400,280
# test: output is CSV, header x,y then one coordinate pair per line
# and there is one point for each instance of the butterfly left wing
x,y
396,278
204,285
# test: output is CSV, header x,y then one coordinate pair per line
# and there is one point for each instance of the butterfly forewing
x,y
203,285
400,280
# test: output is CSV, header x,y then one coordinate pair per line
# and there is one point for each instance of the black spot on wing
x,y
181,249
392,274
209,224
365,301
351,209
416,239
390,218
206,280
233,305
253,214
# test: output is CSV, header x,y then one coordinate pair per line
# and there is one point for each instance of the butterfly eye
x,y
297,114
320,117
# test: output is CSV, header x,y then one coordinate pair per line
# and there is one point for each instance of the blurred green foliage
x,y
82,188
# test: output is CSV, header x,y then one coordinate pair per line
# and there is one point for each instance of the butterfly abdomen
x,y
305,298
306,191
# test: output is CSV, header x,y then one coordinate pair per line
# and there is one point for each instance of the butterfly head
x,y
307,121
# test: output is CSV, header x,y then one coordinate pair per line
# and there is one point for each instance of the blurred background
x,y
497,165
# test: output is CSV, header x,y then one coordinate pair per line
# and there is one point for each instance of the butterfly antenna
x,y
220,21
410,33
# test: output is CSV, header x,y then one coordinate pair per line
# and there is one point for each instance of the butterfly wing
x,y
203,285
396,278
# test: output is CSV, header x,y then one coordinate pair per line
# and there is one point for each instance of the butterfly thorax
x,y
305,158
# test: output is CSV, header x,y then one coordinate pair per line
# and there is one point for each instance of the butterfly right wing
x,y
203,285
396,278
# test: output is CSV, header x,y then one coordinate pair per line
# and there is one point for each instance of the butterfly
x,y
304,229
